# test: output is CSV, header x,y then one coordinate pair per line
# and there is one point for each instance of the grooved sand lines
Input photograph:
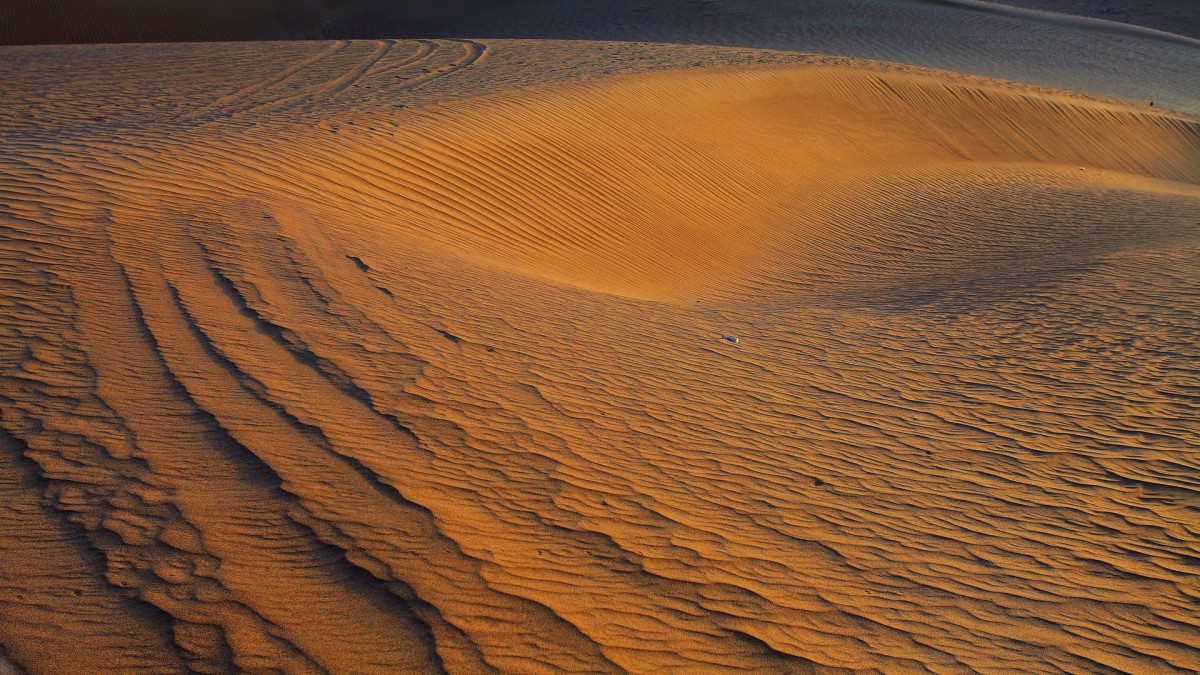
x,y
340,67
351,77
240,99
473,51
366,375
423,48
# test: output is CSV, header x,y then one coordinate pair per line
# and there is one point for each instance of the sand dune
x,y
404,356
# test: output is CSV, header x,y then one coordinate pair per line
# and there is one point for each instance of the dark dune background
x,y
1079,49
106,21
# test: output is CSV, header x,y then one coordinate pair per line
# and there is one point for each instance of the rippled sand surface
x,y
407,356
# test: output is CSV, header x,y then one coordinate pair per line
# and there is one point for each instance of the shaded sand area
x,y
1171,16
405,356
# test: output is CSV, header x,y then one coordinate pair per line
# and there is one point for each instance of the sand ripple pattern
x,y
348,368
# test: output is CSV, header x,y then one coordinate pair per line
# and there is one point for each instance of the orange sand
x,y
404,357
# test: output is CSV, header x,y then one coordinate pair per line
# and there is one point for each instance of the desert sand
x,y
406,356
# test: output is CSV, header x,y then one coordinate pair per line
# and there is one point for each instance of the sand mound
x,y
391,356
682,186
694,185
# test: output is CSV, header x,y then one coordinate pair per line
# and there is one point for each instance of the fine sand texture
x,y
406,356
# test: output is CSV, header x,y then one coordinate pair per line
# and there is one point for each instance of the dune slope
x,y
405,357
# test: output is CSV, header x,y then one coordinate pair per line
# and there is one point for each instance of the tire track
x,y
425,50
334,86
474,51
223,106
